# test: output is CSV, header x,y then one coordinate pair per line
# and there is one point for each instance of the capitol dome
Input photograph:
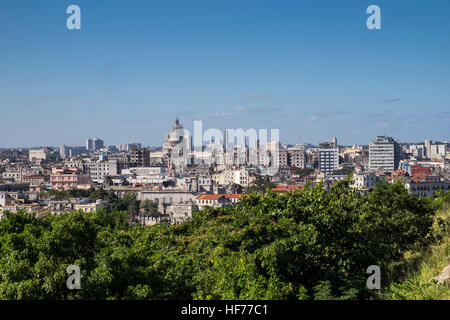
x,y
175,136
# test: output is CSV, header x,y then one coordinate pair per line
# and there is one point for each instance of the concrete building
x,y
89,144
146,175
212,200
328,157
90,206
100,170
366,180
140,156
94,144
384,154
68,178
12,174
283,158
218,200
39,154
166,199
427,186
63,151
230,177
297,158
97,144
434,151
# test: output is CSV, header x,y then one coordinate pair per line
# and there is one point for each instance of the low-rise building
x,y
366,181
427,186
91,206
68,178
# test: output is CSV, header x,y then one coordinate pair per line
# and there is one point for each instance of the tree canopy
x,y
307,244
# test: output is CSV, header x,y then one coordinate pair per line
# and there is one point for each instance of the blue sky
x,y
309,68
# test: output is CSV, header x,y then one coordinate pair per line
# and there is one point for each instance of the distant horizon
x,y
283,144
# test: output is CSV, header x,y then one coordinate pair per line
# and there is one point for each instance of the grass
x,y
415,284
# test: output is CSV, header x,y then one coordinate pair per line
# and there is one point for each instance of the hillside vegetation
x,y
424,265
308,244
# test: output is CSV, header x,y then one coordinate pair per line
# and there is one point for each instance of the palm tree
x,y
124,182
108,181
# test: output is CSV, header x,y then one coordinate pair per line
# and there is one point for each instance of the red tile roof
x,y
210,196
234,195
286,188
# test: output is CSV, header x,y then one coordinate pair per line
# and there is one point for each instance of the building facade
x,y
384,154
328,157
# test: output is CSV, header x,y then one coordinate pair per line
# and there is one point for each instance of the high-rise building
x,y
94,144
97,144
384,154
89,144
297,158
427,148
328,156
434,151
62,151
140,156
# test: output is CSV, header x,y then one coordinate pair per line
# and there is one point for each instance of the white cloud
x,y
256,96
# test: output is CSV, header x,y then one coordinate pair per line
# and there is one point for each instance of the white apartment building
x,y
366,180
39,154
434,151
229,177
146,175
100,170
384,154
328,157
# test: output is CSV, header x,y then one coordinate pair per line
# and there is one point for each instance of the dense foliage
x,y
423,265
308,244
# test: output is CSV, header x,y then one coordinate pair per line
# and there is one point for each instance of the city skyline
x,y
205,143
310,70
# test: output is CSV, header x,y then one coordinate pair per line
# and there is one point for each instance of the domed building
x,y
176,146
175,136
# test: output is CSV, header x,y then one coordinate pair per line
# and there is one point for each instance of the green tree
x,y
304,172
262,183
306,244
149,208
108,181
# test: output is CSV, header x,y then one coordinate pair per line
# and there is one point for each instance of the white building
x,y
434,151
366,180
39,154
384,154
62,151
328,157
230,177
100,170
427,186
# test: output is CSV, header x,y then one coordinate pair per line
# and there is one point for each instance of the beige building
x,y
90,207
230,177
39,154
